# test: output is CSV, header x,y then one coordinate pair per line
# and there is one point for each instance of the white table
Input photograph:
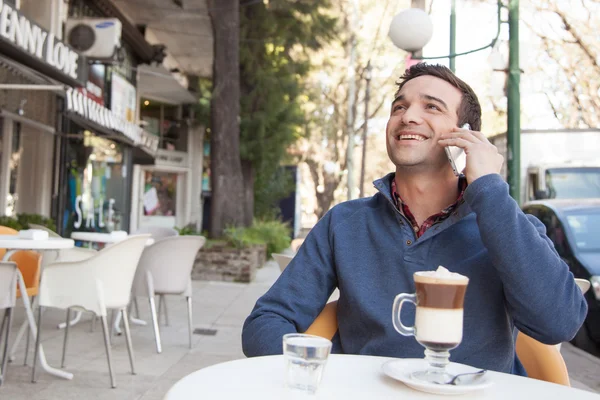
x,y
13,243
99,237
346,377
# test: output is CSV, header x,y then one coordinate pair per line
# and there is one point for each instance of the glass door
x,y
160,195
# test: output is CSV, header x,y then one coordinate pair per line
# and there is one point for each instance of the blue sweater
x,y
368,249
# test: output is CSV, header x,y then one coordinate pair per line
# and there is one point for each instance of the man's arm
x,y
296,298
541,294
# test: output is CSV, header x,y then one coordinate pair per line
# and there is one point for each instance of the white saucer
x,y
401,369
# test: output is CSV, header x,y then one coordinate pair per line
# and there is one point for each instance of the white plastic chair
x,y
157,232
583,284
94,284
8,298
165,268
282,259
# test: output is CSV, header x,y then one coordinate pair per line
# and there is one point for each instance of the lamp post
x,y
411,30
368,71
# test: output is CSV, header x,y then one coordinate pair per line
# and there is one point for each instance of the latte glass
x,y
438,319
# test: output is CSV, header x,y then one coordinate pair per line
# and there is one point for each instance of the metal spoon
x,y
455,380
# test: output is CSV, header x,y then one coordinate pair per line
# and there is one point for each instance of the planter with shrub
x,y
237,256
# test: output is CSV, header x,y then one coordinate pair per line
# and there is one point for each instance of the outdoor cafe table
x,y
13,243
345,377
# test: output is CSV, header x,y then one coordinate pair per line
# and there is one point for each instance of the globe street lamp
x,y
412,29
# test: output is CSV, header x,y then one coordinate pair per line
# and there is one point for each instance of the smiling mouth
x,y
405,136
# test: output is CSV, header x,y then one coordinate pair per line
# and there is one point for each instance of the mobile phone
x,y
457,156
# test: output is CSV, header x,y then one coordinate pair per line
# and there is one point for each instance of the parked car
x,y
574,227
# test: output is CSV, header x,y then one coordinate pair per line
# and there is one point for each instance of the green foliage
x,y
269,190
273,63
275,233
10,223
22,221
240,237
272,232
188,230
26,219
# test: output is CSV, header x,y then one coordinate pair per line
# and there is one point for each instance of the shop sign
x,y
39,44
169,158
84,106
90,214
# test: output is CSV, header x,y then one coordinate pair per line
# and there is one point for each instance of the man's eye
x,y
398,107
433,107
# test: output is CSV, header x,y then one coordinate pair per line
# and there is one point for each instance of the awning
x,y
89,112
141,154
156,83
32,76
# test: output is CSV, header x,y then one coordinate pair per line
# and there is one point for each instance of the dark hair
x,y
469,109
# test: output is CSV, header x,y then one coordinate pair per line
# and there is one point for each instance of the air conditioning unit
x,y
95,38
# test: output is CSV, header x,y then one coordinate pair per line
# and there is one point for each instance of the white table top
x,y
345,377
99,237
14,242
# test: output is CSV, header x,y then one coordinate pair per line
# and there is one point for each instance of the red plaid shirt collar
x,y
434,219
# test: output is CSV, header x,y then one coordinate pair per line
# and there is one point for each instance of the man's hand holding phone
x,y
481,157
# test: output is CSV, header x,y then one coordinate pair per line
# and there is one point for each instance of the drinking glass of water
x,y
305,357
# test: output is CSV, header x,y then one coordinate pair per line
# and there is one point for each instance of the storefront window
x,y
160,194
163,120
97,183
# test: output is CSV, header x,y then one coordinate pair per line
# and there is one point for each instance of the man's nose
x,y
411,116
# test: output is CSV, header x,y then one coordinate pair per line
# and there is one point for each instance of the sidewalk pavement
x,y
216,306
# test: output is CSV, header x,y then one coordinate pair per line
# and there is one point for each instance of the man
x,y
423,217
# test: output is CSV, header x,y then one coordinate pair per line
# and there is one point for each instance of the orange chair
x,y
541,361
28,262
5,230
30,266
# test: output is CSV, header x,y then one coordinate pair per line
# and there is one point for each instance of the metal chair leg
x,y
3,323
137,307
7,316
164,302
27,334
159,310
125,316
113,383
36,354
155,324
190,326
62,363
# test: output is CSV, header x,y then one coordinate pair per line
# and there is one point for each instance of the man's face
x,y
425,108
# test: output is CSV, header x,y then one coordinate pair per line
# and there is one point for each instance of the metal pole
x,y
351,94
453,36
417,4
18,86
514,104
366,128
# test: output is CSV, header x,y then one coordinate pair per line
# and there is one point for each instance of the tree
x,y
327,132
567,59
226,169
273,62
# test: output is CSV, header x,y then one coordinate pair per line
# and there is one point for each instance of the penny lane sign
x,y
32,45
84,106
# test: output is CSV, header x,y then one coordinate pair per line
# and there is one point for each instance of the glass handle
x,y
398,302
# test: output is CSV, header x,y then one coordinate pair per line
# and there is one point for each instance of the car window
x,y
585,226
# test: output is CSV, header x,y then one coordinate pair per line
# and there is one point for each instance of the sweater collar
x,y
384,186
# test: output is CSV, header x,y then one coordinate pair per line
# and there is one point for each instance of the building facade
x,y
97,144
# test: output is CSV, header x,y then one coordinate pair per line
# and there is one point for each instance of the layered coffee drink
x,y
440,302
